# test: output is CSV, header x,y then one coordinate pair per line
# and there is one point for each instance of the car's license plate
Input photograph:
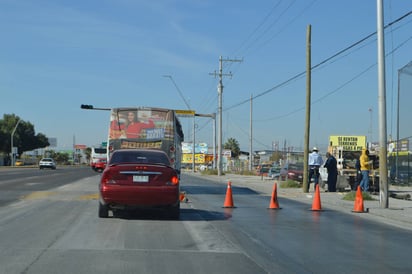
x,y
140,179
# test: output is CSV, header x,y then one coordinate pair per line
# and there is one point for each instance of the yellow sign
x,y
185,112
187,158
349,143
132,144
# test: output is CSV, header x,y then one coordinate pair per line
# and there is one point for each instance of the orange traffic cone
x,y
229,198
358,207
316,205
182,196
274,204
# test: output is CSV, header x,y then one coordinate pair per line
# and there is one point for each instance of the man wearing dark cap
x,y
315,161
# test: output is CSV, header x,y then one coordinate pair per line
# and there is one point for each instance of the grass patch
x,y
210,172
290,184
350,196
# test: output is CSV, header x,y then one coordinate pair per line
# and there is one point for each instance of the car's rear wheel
x,y
103,211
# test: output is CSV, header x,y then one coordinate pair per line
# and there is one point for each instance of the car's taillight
x,y
174,180
110,176
106,177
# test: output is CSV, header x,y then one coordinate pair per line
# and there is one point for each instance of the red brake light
x,y
175,180
106,176
172,148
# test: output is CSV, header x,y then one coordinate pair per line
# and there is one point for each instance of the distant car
x,y
100,165
19,163
47,163
263,171
274,172
205,167
292,171
139,178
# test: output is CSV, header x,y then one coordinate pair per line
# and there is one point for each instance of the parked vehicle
x,y
274,172
47,163
292,171
139,178
19,163
263,170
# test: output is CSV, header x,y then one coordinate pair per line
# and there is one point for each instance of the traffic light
x,y
86,106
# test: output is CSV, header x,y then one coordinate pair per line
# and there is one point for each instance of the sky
x,y
56,55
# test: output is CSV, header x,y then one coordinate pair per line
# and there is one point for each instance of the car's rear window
x,y
141,157
296,167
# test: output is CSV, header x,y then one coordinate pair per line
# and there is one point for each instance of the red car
x,y
139,178
292,171
100,165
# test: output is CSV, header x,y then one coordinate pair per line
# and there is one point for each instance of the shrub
x,y
210,172
350,196
290,184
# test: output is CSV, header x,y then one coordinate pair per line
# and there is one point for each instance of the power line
x,y
317,65
341,86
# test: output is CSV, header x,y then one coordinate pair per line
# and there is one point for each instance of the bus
x,y
146,127
97,155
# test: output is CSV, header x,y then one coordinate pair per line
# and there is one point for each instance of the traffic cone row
x,y
274,204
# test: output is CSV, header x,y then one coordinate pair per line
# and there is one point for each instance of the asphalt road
x,y
55,229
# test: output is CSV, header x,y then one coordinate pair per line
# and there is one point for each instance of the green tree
x,y
276,156
25,138
233,145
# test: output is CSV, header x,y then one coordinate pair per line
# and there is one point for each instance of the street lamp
x,y
11,150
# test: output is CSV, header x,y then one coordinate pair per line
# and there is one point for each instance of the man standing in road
x,y
332,166
315,161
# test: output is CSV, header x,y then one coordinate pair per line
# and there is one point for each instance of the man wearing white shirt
x,y
315,161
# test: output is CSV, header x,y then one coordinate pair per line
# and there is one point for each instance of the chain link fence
x,y
400,158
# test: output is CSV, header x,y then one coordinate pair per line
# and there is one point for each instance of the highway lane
x,y
298,240
56,230
15,182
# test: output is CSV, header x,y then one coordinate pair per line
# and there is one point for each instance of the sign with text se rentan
x,y
349,143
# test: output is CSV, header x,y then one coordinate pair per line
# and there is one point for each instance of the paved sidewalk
x,y
398,213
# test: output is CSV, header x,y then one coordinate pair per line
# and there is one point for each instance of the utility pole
x,y
308,102
383,168
13,157
251,135
220,92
